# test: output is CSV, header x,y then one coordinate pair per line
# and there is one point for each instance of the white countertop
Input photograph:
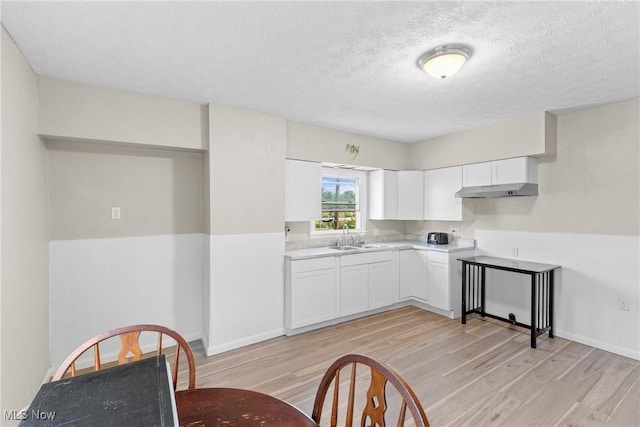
x,y
456,246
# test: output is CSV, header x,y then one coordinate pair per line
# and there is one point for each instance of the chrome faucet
x,y
346,239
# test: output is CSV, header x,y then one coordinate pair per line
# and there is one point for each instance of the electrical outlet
x,y
623,304
514,251
115,213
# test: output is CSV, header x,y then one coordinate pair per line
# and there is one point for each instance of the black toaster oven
x,y
438,238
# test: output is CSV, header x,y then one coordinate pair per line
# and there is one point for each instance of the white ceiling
x,y
344,65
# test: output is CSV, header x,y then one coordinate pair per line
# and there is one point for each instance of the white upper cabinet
x,y
396,194
521,169
476,174
303,191
383,194
440,203
410,194
508,171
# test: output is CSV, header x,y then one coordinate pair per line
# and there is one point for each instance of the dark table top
x,y
509,264
136,393
210,407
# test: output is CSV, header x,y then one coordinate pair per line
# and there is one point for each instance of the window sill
x,y
333,234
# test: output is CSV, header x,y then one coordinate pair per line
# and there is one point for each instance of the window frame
x,y
361,215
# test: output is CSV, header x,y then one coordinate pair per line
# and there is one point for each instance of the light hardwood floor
x,y
480,374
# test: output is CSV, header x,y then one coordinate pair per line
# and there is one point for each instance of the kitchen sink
x,y
356,247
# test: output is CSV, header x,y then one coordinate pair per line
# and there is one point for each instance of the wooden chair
x,y
375,404
130,351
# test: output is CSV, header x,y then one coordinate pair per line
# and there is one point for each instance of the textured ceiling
x,y
344,65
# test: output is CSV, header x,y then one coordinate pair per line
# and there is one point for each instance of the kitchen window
x,y
342,201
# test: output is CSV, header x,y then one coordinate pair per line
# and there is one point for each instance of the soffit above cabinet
x,y
81,112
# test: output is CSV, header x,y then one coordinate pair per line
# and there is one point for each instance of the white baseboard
x,y
205,343
232,345
626,352
425,306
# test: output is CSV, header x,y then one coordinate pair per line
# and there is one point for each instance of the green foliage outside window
x,y
329,219
339,204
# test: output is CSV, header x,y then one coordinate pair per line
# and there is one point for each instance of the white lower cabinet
x,y
438,292
413,274
368,281
433,278
444,275
320,291
354,289
383,284
311,291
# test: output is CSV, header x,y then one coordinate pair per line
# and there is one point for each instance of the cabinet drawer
x,y
313,264
439,256
366,258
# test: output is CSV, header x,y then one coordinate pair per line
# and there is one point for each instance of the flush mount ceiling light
x,y
444,61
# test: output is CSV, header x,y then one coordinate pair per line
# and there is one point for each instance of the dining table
x,y
217,406
138,393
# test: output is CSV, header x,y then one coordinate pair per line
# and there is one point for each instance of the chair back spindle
x,y
130,350
129,345
375,404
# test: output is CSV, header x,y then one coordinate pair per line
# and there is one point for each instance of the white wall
x,y
101,284
592,185
146,267
25,266
596,271
247,290
246,222
2,36
586,218
247,159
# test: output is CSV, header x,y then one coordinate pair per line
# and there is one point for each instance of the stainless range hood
x,y
500,190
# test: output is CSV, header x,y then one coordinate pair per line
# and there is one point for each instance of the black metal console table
x,y
474,284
